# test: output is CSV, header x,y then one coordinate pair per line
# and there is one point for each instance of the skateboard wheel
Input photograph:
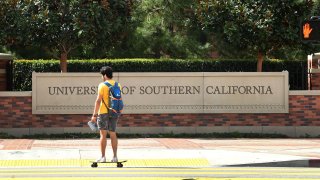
x,y
94,165
119,165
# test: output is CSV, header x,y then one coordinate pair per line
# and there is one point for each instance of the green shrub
x,y
22,69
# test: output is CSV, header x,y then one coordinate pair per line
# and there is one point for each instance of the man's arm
x,y
96,108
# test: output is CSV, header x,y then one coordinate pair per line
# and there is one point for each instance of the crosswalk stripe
x,y
151,178
165,172
160,173
273,169
172,169
129,178
200,162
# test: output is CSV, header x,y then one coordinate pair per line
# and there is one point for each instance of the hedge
x,y
22,69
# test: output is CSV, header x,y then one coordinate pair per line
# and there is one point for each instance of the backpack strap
x,y
105,104
109,86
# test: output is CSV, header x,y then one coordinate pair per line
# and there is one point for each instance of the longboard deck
x,y
119,163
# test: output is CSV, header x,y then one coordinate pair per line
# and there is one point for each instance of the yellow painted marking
x,y
86,163
154,173
217,171
147,178
168,172
225,169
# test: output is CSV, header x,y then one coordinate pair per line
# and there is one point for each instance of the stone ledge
x,y
314,70
5,56
304,92
15,93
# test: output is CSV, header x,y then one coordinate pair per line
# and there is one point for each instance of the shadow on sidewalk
x,y
315,163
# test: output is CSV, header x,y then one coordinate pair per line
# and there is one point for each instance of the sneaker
x,y
114,159
102,159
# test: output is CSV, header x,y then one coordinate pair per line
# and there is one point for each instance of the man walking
x,y
101,115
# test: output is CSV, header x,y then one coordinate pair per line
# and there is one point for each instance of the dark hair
x,y
106,70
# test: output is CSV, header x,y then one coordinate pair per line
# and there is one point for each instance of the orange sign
x,y
306,30
310,31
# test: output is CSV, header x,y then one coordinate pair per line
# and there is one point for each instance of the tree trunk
x,y
259,63
63,61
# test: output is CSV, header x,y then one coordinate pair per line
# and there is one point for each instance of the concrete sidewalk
x,y
216,152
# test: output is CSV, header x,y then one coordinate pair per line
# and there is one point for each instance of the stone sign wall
x,y
152,93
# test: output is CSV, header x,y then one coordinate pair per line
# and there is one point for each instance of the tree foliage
x,y
254,26
164,28
9,22
154,28
61,26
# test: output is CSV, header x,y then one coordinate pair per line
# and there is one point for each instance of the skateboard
x,y
119,163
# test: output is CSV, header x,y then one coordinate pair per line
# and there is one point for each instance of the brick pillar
x,y
5,71
314,79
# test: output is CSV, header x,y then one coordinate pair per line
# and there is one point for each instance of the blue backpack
x,y
115,98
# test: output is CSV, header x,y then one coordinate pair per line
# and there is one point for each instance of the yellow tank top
x,y
104,91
